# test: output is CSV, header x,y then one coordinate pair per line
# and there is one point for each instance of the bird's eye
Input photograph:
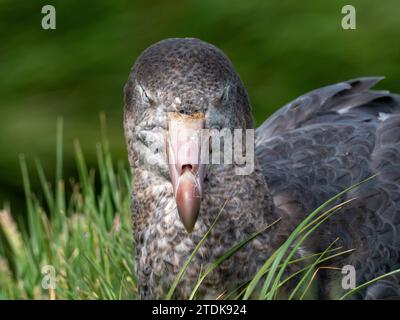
x,y
225,93
222,97
143,94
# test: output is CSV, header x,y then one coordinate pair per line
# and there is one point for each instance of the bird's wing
x,y
320,130
338,97
327,140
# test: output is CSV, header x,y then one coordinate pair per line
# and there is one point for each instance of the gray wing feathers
x,y
330,139
339,98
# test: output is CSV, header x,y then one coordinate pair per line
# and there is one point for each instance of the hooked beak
x,y
185,168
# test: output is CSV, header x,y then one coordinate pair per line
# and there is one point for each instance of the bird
x,y
304,154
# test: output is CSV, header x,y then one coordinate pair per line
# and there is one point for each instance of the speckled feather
x,y
307,151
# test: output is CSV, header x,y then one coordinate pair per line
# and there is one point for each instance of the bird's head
x,y
177,88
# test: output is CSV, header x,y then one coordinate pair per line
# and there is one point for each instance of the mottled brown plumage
x,y
308,151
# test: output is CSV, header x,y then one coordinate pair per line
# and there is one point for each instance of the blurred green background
x,y
281,49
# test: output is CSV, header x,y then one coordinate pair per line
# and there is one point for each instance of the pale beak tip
x,y
189,229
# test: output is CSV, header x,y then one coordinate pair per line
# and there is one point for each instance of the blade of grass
x,y
60,200
45,186
368,283
313,277
312,267
32,226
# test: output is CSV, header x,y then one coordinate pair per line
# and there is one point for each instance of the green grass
x,y
84,233
82,229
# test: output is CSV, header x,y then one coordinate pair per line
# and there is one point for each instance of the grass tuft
x,y
85,238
